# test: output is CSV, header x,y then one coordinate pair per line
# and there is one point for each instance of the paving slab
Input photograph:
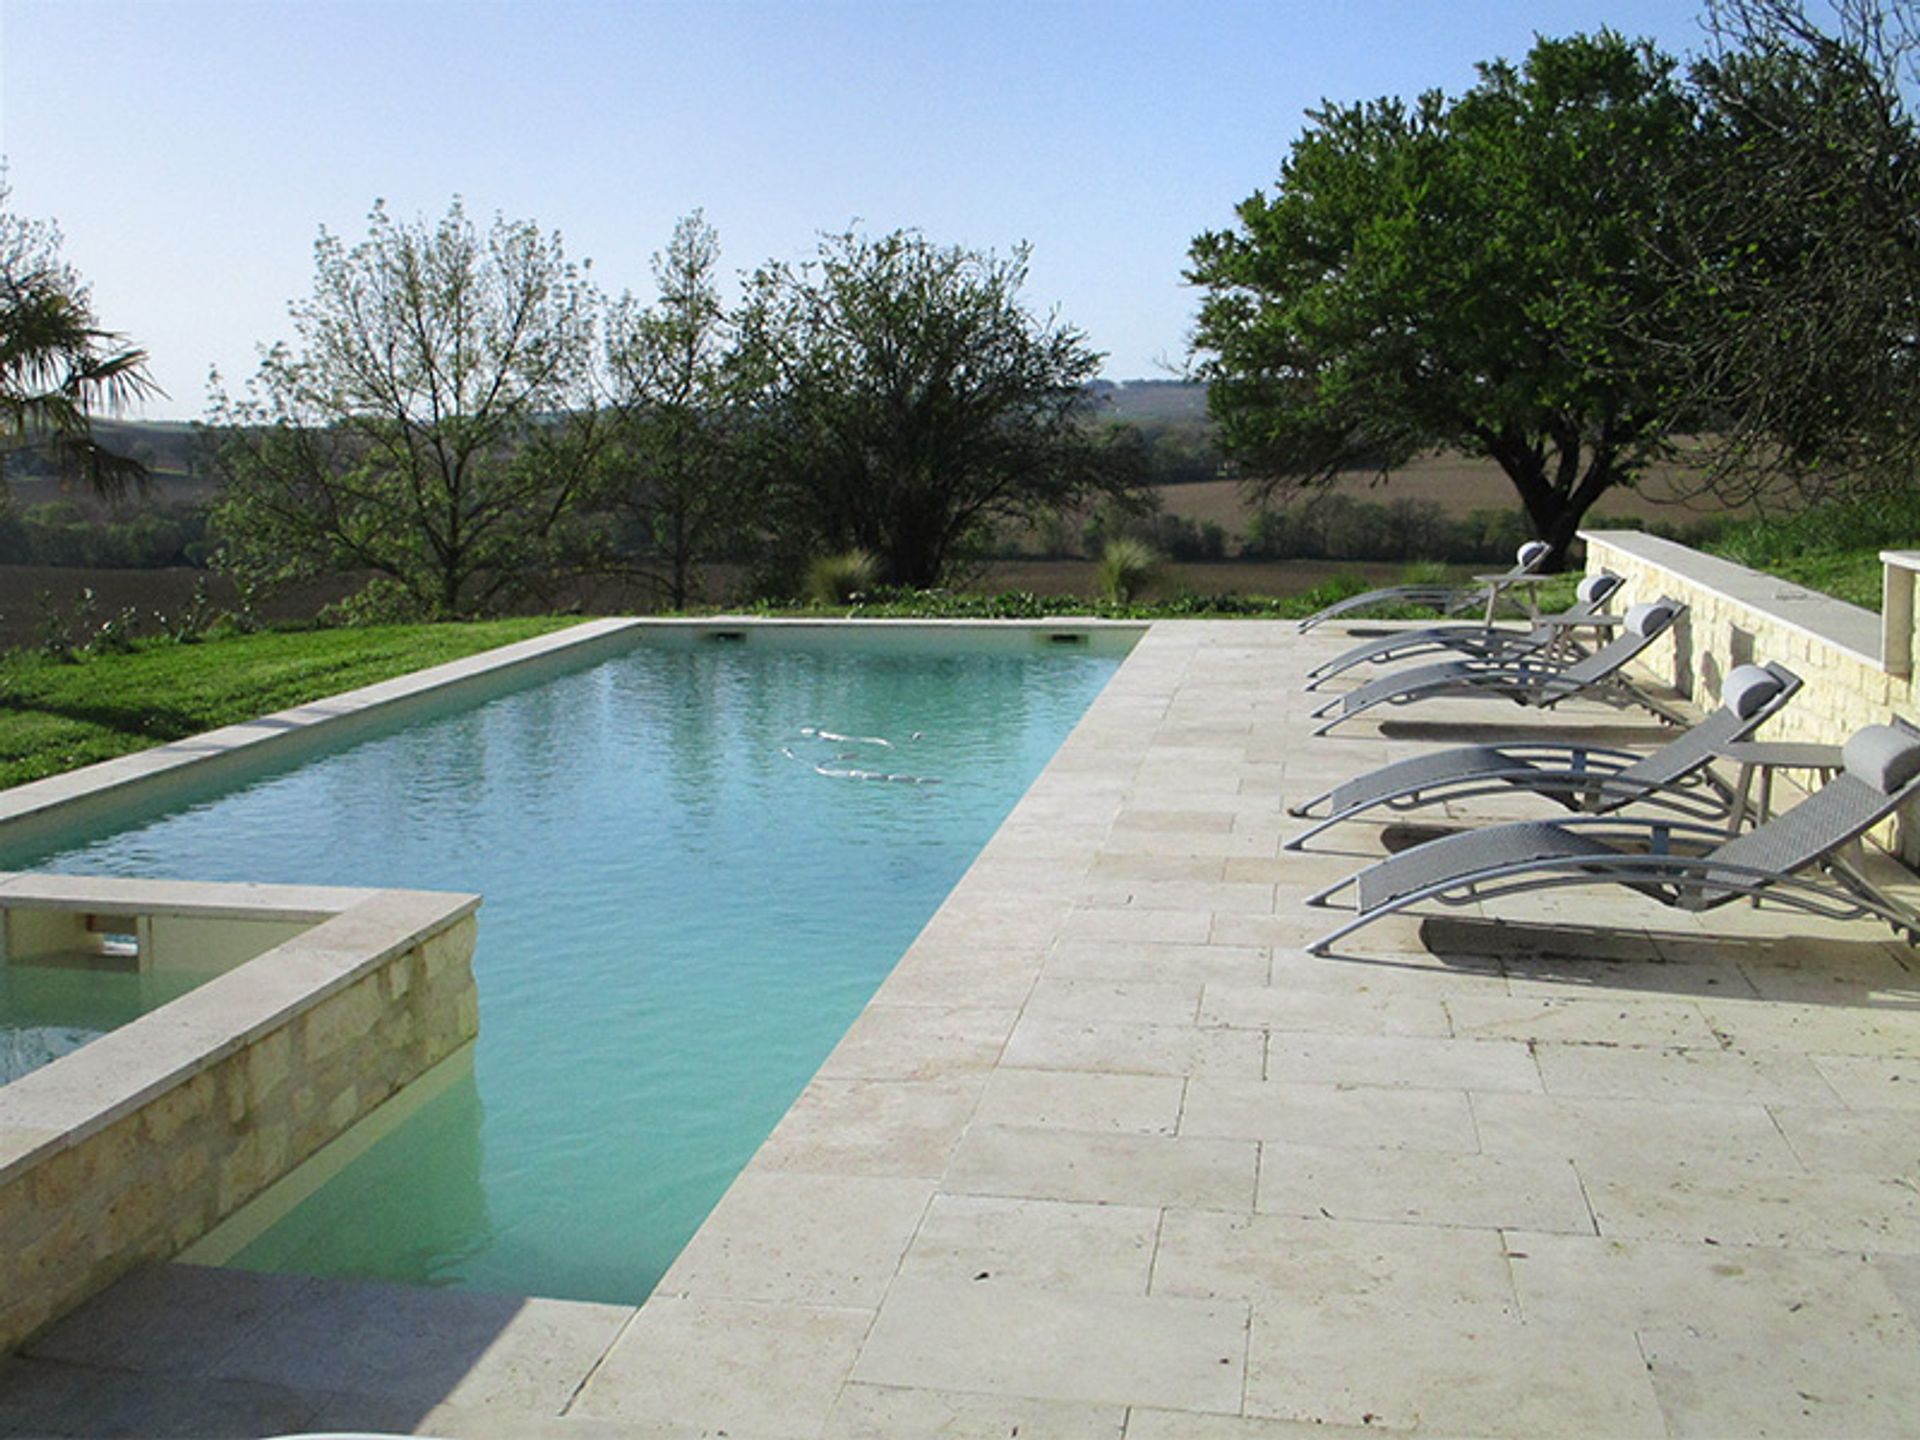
x,y
1370,1117
781,1237
727,1366
1036,1244
1200,1172
884,1412
1093,1102
1424,1187
1000,1339
1306,1362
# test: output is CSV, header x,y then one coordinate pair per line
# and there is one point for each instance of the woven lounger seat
x,y
1795,859
1591,779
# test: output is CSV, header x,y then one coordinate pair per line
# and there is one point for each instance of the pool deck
x,y
1109,1155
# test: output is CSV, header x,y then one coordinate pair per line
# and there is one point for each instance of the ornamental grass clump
x,y
835,580
1127,567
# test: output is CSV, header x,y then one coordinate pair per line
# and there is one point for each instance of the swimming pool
x,y
47,1011
698,862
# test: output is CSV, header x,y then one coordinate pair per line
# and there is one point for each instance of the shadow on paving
x,y
1853,974
181,1350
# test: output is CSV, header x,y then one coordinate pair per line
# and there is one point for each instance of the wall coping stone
x,y
1816,616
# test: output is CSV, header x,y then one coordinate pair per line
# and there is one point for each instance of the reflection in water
x,y
365,1224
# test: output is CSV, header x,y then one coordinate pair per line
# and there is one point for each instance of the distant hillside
x,y
1137,401
170,449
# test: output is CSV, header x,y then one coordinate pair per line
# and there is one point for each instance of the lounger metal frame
x,y
1593,779
1487,590
1546,637
1815,878
1525,682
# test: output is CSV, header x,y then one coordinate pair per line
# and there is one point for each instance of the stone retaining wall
x,y
1736,615
136,1145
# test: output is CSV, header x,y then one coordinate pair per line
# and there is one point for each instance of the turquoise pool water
x,y
47,1011
690,892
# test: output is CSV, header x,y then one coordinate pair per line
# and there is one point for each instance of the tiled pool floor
x,y
1110,1155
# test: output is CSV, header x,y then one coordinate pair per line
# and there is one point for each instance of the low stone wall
x,y
1737,616
136,1145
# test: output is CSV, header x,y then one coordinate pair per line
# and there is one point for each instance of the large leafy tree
x,y
58,367
1802,229
905,399
431,423
1467,273
673,470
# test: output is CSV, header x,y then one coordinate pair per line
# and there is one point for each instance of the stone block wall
x,y
1736,616
138,1144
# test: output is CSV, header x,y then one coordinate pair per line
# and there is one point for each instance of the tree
x,y
58,367
1802,229
1467,274
673,467
905,399
433,423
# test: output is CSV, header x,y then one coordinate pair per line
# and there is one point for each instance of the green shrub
x,y
383,601
1425,572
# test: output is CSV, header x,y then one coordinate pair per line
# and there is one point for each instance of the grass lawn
x,y
56,715
1833,548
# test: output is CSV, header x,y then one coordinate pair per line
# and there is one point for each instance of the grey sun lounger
x,y
1590,779
1481,642
1796,859
1487,591
1526,682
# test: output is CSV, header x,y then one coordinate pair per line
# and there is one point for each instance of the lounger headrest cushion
x,y
1531,553
1596,588
1884,756
1748,689
1649,619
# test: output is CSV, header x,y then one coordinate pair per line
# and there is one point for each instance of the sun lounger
x,y
1482,642
1591,779
1526,682
1487,591
1796,859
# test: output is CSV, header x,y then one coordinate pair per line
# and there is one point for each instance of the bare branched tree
x,y
1802,235
432,424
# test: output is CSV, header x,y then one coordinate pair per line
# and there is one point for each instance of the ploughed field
x,y
1459,486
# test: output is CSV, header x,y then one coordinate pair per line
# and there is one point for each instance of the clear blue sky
x,y
190,150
